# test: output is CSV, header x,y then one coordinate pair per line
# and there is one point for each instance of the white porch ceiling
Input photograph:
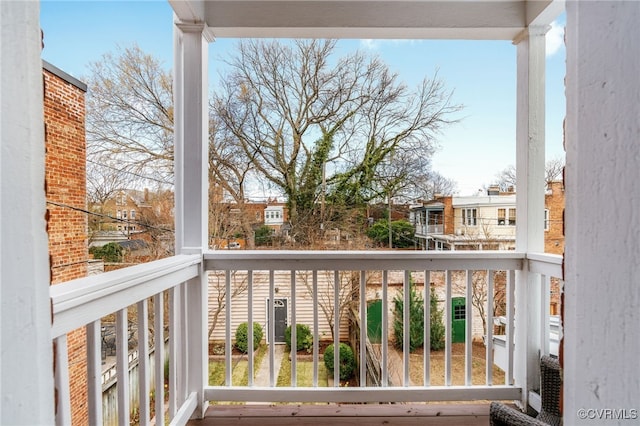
x,y
398,19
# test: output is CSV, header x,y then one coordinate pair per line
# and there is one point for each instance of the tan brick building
x,y
554,233
65,183
553,215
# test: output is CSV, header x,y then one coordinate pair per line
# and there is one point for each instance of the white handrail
x,y
79,302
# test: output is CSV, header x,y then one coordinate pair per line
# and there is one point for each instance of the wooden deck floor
x,y
337,415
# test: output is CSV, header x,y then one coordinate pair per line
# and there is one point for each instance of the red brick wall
x,y
64,117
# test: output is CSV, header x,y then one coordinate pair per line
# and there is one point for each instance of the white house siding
x,y
487,216
282,282
304,300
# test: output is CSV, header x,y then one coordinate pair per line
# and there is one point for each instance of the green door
x,y
458,319
374,321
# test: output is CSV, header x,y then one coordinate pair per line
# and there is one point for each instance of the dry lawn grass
x,y
458,370
437,370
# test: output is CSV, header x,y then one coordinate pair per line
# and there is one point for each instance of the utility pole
x,y
324,190
389,222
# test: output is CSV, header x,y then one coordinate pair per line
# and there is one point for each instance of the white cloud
x,y
554,38
369,43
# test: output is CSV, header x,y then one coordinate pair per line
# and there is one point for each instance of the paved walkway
x,y
262,375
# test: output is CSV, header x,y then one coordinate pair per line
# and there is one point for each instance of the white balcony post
x,y
191,189
600,323
25,317
530,164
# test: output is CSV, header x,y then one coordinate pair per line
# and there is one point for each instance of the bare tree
x,y
218,294
553,171
130,114
348,291
308,122
229,173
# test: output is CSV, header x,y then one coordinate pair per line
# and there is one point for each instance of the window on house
x,y
118,214
124,214
469,217
546,219
133,214
506,217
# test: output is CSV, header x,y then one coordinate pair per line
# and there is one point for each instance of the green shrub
x,y
416,318
263,235
437,324
242,336
304,338
347,361
111,252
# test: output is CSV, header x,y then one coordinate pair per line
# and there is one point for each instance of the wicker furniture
x,y
550,388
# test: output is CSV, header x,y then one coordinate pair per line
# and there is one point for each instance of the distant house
x,y
486,222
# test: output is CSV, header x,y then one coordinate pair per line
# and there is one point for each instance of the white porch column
x,y
191,153
530,165
26,363
602,254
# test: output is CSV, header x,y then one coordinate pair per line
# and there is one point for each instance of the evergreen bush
x,y
347,361
242,336
416,320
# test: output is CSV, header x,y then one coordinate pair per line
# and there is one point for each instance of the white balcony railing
x,y
425,230
83,302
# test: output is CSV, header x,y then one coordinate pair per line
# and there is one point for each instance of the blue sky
x,y
482,75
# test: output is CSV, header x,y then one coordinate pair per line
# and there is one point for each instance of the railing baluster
x,y
183,373
489,352
122,366
447,330
294,332
250,328
511,279
63,408
545,300
336,328
406,321
468,341
174,342
271,324
158,343
385,329
426,359
143,361
94,372
227,327
363,329
316,328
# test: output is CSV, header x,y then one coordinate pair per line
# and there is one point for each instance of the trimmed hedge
x,y
347,361
242,336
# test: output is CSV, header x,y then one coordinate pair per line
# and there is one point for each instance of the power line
x,y
129,172
106,216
